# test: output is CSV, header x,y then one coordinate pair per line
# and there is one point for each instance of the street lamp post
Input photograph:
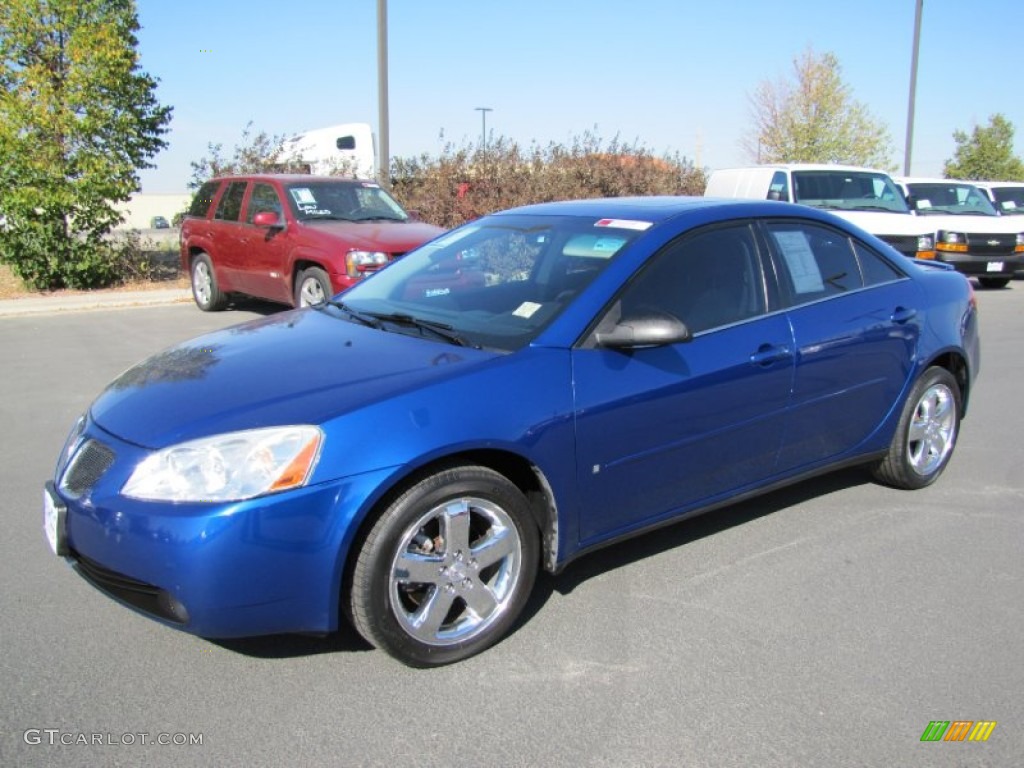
x,y
913,89
483,115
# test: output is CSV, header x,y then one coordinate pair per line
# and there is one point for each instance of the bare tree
x,y
813,118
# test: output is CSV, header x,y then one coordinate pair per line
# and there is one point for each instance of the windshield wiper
x,y
441,330
884,208
378,218
365,319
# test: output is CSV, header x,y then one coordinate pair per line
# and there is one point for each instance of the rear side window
x,y
201,202
230,206
815,262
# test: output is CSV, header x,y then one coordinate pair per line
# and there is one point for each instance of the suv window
x,y
706,280
263,198
201,202
230,206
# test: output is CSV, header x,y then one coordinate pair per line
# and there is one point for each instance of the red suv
x,y
291,239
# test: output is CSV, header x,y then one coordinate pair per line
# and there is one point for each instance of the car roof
x,y
934,180
809,167
652,209
292,178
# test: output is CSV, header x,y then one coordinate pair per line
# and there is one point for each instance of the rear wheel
x,y
313,287
994,282
207,295
447,568
926,434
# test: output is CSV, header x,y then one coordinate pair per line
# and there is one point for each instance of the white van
x,y
864,196
969,232
346,148
1006,196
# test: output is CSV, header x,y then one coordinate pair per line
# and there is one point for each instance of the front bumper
x,y
983,265
263,566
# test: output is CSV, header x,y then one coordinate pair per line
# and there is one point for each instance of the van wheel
x,y
207,295
994,282
313,287
447,568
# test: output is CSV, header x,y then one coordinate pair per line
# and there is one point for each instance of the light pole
x,y
483,115
913,89
384,161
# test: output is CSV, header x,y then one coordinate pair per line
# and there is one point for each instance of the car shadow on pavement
x,y
677,534
625,553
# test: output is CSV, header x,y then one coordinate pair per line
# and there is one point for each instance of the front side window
x,y
498,281
263,198
706,280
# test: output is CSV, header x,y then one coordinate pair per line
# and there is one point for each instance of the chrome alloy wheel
x,y
932,431
311,293
455,571
202,282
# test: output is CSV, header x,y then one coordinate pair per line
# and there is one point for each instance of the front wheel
x,y
926,434
312,288
447,568
994,282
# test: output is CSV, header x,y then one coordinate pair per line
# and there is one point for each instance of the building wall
x,y
141,208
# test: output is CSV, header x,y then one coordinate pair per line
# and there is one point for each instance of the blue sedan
x,y
522,390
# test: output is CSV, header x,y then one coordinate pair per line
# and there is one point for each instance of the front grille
x,y
86,467
991,245
905,244
138,594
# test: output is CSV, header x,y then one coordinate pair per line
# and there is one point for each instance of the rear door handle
x,y
901,315
770,353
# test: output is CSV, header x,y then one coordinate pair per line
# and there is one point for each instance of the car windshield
x,y
848,191
1010,200
493,283
957,199
342,200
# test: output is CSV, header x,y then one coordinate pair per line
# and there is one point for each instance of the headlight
x,y
230,467
357,262
1020,243
951,241
925,243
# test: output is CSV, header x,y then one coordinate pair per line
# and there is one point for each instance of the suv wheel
x,y
313,287
204,285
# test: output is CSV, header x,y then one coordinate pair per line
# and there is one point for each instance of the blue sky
x,y
674,75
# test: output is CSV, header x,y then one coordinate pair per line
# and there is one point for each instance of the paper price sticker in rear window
x,y
640,226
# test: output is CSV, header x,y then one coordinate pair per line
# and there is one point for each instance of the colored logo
x,y
958,730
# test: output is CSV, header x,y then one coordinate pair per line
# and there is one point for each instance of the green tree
x,y
814,118
78,119
986,154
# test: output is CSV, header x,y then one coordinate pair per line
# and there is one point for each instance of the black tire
x,y
994,282
447,568
205,291
312,287
926,434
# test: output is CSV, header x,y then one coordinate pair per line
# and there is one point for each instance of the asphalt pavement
x,y
827,624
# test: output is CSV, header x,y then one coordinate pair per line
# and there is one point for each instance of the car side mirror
x,y
267,219
650,329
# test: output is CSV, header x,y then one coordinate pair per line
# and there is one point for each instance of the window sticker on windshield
x,y
640,226
371,184
303,196
593,246
800,260
924,203
1009,205
526,309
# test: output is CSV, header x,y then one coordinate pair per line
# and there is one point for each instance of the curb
x,y
86,302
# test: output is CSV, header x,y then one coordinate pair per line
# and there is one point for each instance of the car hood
x,y
880,223
299,367
387,236
997,225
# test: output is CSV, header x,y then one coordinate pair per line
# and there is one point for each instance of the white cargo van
x,y
969,232
347,148
1006,196
864,196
